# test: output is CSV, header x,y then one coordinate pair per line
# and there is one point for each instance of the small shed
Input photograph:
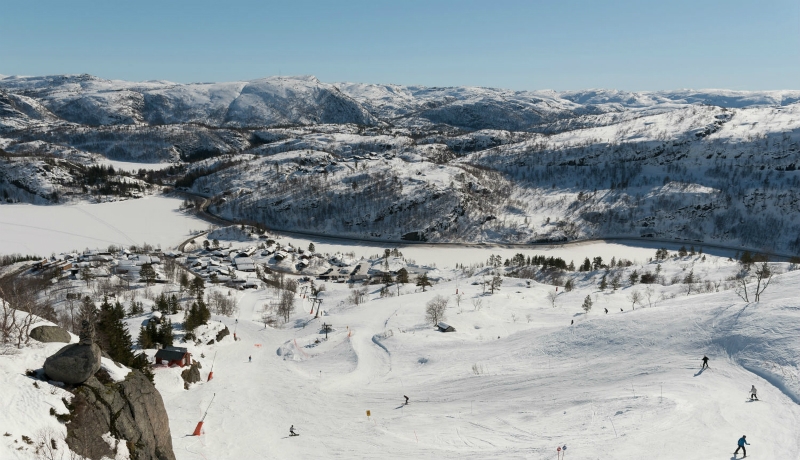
x,y
174,356
444,327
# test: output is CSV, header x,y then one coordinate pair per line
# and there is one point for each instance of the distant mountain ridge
x,y
304,100
393,162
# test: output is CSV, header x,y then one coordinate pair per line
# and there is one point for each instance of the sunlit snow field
x,y
42,230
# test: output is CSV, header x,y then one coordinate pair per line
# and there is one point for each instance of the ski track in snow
x,y
543,386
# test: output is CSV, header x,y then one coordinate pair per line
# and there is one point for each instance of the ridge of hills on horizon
x,y
393,162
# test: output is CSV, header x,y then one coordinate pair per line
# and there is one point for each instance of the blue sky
x,y
558,44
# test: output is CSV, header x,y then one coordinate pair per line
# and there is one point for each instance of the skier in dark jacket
x,y
705,363
742,442
291,431
406,398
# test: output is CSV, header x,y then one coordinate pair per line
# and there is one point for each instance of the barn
x,y
174,356
444,327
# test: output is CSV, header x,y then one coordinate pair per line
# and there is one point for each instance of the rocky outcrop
x,y
50,334
223,333
75,363
191,375
131,410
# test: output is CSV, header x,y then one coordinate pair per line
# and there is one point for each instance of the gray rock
x,y
131,410
73,364
87,333
50,334
191,375
223,333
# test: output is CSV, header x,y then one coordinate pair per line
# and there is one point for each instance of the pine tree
x,y
148,274
165,335
402,276
603,283
422,280
587,304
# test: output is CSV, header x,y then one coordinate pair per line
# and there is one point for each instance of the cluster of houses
x,y
234,267
100,264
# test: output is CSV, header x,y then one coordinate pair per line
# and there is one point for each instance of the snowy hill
x,y
453,164
525,371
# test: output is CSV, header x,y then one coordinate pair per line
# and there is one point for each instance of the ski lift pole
x,y
211,374
198,429
319,305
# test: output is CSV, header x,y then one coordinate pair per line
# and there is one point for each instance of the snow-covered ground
x,y
41,230
515,380
133,167
448,255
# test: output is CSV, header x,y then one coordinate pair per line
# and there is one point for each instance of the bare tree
x,y
740,280
267,316
358,296
634,297
477,304
763,278
286,305
221,304
648,293
23,308
552,296
435,308
495,282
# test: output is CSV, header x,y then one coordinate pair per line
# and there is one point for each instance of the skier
x,y
606,309
742,442
291,431
250,359
572,322
406,398
705,363
753,394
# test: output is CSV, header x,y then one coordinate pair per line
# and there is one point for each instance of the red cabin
x,y
174,356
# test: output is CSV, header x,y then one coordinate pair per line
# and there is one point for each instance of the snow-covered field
x,y
515,380
133,167
41,230
448,255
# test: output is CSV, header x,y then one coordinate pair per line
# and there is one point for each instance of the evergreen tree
x,y
587,304
165,336
422,280
586,266
148,274
402,276
603,283
174,306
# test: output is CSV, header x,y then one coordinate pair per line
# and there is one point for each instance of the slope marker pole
x,y
211,373
199,427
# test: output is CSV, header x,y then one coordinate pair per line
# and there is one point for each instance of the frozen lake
x,y
448,255
42,230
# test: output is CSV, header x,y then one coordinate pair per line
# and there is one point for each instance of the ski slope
x,y
622,385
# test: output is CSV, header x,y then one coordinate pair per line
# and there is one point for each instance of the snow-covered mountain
x,y
439,164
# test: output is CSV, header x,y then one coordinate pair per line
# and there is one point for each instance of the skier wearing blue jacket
x,y
742,442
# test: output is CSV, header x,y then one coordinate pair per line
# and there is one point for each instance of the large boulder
x,y
131,410
50,334
223,333
191,375
73,364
